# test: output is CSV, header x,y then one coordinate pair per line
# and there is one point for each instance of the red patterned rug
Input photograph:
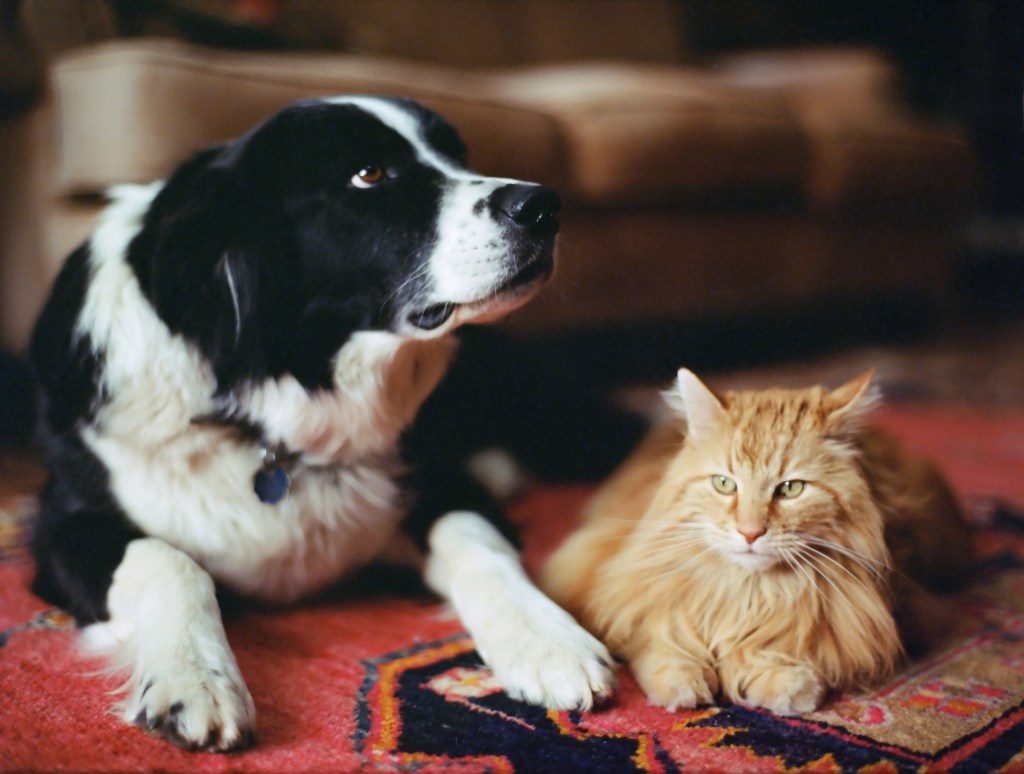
x,y
363,679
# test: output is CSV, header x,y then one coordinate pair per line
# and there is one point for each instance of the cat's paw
x,y
785,690
675,684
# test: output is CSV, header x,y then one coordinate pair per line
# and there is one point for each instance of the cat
x,y
748,548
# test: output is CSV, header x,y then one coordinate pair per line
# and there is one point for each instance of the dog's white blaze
x,y
406,124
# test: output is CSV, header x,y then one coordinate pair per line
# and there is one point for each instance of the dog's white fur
x,y
537,650
165,630
189,487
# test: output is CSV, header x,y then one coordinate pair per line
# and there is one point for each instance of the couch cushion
x,y
640,134
131,111
601,133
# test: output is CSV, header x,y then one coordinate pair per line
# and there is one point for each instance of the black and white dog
x,y
231,367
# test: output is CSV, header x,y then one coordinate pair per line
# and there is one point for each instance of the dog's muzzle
x,y
527,213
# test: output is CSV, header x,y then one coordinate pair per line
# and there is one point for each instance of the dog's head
x,y
336,216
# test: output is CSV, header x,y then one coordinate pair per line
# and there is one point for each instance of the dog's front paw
x,y
536,650
548,659
195,707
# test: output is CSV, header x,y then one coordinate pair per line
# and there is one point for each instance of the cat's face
x,y
765,475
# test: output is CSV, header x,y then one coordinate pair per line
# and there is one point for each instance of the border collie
x,y
231,368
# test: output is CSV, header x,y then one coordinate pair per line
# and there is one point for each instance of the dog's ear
x,y
212,256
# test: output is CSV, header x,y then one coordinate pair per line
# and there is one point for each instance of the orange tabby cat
x,y
746,549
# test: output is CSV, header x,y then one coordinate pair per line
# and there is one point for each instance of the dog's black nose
x,y
530,206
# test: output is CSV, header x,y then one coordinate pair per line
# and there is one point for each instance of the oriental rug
x,y
377,676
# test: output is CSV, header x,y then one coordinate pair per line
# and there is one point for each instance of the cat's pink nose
x,y
750,535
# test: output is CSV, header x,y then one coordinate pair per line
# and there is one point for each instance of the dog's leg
x,y
536,650
165,628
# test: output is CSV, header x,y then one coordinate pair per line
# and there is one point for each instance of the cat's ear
x,y
853,401
700,407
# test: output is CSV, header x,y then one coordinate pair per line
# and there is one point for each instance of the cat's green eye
x,y
723,484
789,489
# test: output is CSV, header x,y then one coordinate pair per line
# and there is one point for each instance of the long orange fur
x,y
654,573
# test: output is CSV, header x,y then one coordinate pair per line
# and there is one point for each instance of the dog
x,y
231,369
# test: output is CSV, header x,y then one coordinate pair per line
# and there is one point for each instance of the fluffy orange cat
x,y
748,548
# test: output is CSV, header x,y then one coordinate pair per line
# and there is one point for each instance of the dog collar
x,y
272,481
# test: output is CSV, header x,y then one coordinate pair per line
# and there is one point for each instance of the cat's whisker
x,y
651,561
841,566
681,528
831,582
809,550
652,536
668,542
793,560
681,568
657,526
657,534
821,572
659,553
672,534
877,567
673,546
669,529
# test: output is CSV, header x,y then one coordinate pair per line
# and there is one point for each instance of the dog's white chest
x,y
197,494
330,522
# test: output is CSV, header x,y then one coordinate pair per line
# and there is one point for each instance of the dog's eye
x,y
368,176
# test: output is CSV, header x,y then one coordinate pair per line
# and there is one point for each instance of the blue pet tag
x,y
271,484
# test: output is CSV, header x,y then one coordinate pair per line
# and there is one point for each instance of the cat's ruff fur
x,y
295,292
708,594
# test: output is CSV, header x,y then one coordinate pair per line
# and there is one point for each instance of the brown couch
x,y
752,184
